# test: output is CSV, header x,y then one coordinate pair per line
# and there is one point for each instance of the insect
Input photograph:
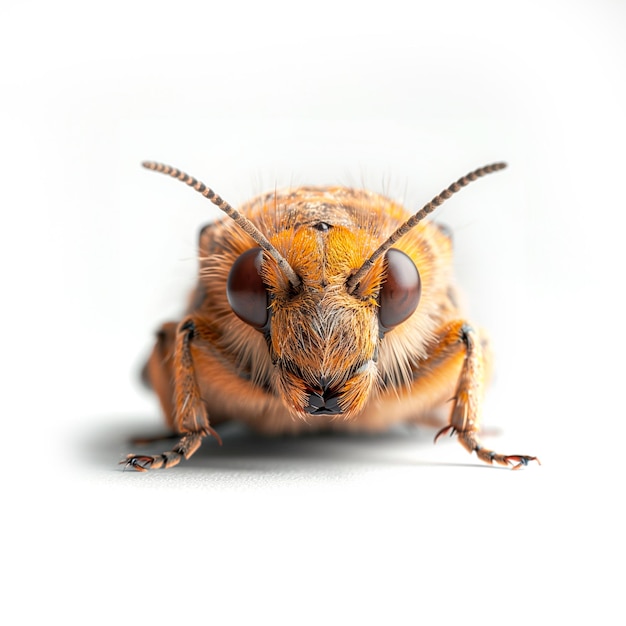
x,y
320,308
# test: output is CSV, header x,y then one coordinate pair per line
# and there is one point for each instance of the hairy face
x,y
326,362
324,312
323,340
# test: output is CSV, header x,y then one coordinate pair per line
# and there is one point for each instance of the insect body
x,y
320,307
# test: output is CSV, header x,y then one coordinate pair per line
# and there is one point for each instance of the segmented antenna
x,y
242,221
355,279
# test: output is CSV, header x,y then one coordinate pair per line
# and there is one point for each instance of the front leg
x,y
466,411
191,418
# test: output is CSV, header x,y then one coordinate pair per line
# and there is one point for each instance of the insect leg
x,y
466,410
158,372
188,415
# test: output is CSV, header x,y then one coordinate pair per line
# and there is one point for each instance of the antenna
x,y
241,220
354,280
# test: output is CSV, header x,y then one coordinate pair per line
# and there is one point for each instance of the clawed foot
x,y
187,445
143,462
139,463
522,460
469,440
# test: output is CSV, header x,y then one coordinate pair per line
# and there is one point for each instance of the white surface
x,y
96,252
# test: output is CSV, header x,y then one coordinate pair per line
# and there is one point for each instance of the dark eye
x,y
245,290
401,290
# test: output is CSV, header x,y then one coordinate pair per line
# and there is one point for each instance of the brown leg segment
x,y
188,414
465,416
158,372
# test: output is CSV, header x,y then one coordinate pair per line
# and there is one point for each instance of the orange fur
x,y
322,338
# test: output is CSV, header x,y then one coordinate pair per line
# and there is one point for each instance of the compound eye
x,y
401,291
245,290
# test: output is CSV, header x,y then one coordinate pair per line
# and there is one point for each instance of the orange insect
x,y
320,308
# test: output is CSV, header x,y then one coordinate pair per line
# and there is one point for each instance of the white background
x,y
96,252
